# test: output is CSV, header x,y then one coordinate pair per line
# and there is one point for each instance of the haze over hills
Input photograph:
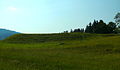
x,y
4,33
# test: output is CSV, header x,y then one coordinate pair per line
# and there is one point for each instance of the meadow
x,y
74,51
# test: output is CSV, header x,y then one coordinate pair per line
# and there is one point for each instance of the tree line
x,y
100,27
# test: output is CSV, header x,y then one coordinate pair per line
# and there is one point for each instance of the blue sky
x,y
51,16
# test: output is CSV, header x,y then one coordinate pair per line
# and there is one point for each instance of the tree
x,y
65,32
117,18
71,31
111,27
117,30
82,30
77,30
101,27
94,26
89,28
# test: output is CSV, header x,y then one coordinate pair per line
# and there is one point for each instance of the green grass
x,y
91,52
40,38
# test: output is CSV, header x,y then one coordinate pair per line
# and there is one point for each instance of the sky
x,y
54,16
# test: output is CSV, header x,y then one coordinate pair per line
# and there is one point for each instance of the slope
x,y
99,53
6,33
40,38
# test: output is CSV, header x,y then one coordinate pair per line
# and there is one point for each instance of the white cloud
x,y
12,8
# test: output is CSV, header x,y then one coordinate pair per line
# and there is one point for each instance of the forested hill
x,y
4,33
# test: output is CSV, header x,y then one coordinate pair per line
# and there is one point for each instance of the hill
x,y
4,33
40,38
93,52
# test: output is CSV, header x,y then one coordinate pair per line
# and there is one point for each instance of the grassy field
x,y
60,52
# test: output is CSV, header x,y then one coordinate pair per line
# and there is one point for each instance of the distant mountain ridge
x,y
4,33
